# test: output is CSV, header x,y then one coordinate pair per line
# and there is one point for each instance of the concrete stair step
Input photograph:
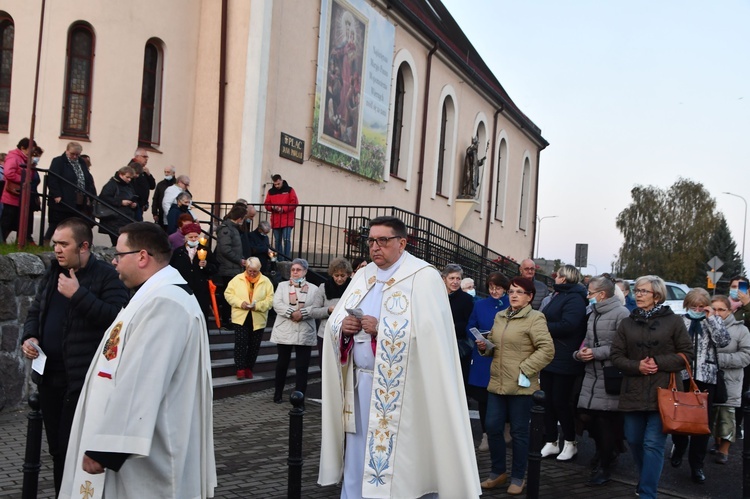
x,y
229,386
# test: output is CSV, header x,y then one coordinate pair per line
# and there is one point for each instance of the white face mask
x,y
35,161
168,177
192,244
472,292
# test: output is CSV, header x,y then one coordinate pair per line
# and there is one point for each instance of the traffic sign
x,y
715,263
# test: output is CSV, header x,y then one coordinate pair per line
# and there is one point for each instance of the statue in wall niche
x,y
471,174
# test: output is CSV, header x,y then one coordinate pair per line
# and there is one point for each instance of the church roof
x,y
435,21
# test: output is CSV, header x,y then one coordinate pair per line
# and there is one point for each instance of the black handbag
x,y
612,375
101,211
720,394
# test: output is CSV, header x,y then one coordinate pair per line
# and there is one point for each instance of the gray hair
x,y
183,196
183,179
301,262
601,283
570,273
657,286
451,268
265,225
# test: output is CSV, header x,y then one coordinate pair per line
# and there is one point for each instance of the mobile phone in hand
x,y
742,286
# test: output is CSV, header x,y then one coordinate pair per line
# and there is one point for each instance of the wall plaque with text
x,y
292,148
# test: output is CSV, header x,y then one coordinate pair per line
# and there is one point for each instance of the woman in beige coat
x,y
521,347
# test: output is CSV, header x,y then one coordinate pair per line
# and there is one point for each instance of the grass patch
x,y
6,249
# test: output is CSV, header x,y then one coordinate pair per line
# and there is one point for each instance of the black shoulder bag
x,y
612,375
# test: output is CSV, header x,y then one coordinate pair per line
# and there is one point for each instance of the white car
x,y
675,295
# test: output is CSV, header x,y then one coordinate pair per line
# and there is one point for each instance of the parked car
x,y
675,294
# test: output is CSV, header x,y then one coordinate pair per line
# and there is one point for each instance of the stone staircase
x,y
225,382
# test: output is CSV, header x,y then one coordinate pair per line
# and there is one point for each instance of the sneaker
x,y
550,449
484,445
240,374
569,451
248,374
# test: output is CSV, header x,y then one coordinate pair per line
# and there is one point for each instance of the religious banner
x,y
353,87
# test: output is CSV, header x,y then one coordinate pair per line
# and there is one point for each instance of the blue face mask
x,y
592,301
471,292
192,244
299,281
734,294
696,315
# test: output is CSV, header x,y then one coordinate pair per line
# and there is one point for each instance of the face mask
x,y
192,244
472,292
696,315
299,281
734,294
168,177
248,220
592,301
35,161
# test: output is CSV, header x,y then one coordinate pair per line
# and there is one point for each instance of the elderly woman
x,y
566,319
294,327
119,194
340,272
196,264
462,305
250,294
482,318
522,347
733,358
646,349
598,408
707,333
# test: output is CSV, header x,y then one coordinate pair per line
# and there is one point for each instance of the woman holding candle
x,y
195,263
251,296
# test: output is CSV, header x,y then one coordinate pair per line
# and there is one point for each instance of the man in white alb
x,y
393,395
144,425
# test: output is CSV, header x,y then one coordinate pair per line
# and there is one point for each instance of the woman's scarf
x,y
251,282
297,298
696,329
646,314
333,290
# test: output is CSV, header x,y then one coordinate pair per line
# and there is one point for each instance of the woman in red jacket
x,y
15,171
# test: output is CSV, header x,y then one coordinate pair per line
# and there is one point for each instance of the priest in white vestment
x,y
143,425
395,420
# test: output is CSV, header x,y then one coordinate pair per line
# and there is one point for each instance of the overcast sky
x,y
627,93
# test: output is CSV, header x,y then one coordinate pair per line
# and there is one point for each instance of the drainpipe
x,y
536,203
222,98
492,177
29,174
420,174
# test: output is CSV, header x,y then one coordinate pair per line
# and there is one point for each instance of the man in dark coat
x,y
67,182
76,302
143,181
156,209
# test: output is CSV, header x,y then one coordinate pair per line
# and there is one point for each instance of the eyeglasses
x,y
381,241
117,255
495,288
643,292
517,292
252,272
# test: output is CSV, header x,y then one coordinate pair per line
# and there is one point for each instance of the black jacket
x,y
462,304
196,277
156,210
229,249
58,188
258,245
142,184
90,312
115,192
566,321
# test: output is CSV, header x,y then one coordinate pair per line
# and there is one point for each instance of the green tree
x,y
666,232
722,245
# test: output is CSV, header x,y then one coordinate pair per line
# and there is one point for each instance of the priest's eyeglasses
x,y
381,241
116,256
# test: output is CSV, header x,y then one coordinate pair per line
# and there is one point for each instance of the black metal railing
x,y
323,232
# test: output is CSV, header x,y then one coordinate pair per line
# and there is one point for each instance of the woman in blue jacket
x,y
482,318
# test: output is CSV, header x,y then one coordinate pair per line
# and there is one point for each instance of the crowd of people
x,y
597,348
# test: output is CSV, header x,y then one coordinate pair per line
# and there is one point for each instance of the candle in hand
x,y
203,240
202,254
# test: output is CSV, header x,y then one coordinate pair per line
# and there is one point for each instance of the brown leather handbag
x,y
683,413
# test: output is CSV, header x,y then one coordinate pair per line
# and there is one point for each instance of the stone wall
x,y
20,274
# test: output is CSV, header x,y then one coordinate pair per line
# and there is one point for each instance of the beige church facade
x,y
353,102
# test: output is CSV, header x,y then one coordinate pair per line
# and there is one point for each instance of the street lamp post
x,y
539,230
744,229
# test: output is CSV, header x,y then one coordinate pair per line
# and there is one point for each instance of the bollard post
x,y
294,486
746,445
32,463
536,441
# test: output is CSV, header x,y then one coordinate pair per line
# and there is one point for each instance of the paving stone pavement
x,y
251,443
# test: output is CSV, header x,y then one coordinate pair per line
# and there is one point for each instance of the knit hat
x,y
191,227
